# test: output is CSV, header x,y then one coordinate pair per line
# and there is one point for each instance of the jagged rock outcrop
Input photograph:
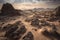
x,y
8,10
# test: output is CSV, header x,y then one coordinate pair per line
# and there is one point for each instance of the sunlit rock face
x,y
8,9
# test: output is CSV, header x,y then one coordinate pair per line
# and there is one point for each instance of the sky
x,y
36,3
31,1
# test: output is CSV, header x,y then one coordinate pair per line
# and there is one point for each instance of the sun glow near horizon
x,y
24,6
32,5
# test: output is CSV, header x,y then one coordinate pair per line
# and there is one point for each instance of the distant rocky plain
x,y
31,24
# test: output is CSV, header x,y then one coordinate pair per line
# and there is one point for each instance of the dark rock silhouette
x,y
8,10
58,11
56,15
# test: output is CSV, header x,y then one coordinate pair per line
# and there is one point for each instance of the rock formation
x,y
8,10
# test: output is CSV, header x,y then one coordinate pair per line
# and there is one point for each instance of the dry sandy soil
x,y
36,32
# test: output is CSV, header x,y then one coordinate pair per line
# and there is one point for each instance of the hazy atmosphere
x,y
29,4
29,19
